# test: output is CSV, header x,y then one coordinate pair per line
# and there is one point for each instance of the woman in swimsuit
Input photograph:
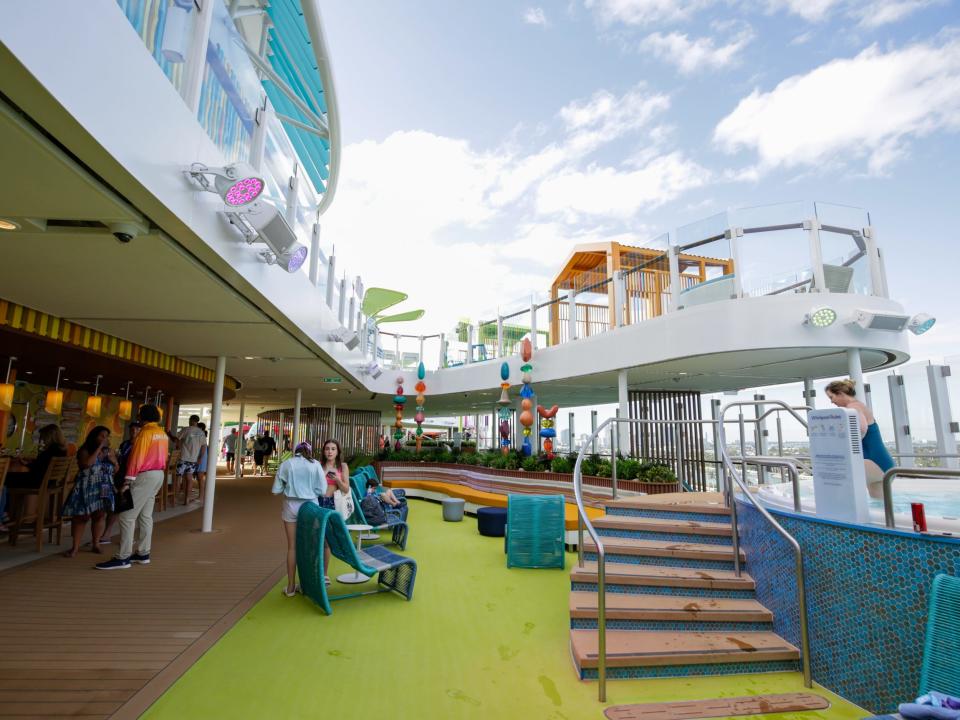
x,y
876,457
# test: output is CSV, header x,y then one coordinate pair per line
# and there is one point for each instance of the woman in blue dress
x,y
92,494
876,457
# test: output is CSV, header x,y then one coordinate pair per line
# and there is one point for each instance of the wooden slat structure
x,y
660,442
85,643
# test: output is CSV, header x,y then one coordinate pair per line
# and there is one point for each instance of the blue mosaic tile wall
x,y
867,597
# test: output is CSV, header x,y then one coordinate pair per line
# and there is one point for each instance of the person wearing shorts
x,y
299,480
190,441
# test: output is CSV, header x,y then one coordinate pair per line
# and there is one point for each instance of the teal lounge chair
x,y
316,525
535,531
397,526
941,648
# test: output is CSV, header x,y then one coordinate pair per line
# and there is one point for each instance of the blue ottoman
x,y
491,521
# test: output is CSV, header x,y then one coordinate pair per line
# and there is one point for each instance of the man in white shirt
x,y
230,445
190,441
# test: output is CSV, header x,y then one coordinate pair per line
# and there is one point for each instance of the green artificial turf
x,y
477,641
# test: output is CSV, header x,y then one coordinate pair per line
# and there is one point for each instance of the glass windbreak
x,y
546,335
516,327
279,159
708,227
231,90
706,273
923,432
775,262
485,341
166,28
953,386
846,265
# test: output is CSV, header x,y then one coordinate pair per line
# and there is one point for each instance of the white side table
x,y
355,577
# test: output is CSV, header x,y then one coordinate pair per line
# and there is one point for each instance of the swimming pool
x,y
941,500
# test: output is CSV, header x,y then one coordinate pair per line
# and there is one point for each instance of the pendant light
x,y
6,390
125,411
95,402
54,400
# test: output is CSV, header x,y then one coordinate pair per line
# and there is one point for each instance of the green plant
x,y
603,469
628,469
660,474
468,458
561,465
588,466
512,462
531,464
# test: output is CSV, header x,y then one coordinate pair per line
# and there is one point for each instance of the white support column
x,y
674,258
619,293
570,431
500,352
533,324
593,429
812,226
855,370
295,434
867,394
809,393
623,406
331,279
734,235
572,319
213,448
901,419
315,255
241,447
197,59
442,362
878,283
942,421
760,437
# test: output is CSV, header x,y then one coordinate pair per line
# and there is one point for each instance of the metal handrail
x,y
775,461
797,551
890,474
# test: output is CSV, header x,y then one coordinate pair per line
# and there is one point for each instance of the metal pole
x,y
593,432
342,309
678,441
240,448
295,434
812,226
500,352
623,411
331,279
570,431
533,324
717,454
942,420
315,255
213,447
572,319
613,459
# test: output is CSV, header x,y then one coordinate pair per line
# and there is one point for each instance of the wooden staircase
x,y
675,607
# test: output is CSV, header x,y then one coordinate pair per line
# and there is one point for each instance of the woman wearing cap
x,y
300,480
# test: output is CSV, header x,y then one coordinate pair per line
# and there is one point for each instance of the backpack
x,y
373,510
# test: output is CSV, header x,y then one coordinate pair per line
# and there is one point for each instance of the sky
x,y
481,141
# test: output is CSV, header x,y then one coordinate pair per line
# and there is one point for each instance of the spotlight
x,y
347,337
820,317
262,222
373,370
920,323
879,321
238,184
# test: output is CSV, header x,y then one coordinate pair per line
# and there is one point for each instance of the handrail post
x,y
893,472
678,441
736,535
613,459
602,623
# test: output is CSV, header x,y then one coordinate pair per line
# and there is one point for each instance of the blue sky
x,y
482,140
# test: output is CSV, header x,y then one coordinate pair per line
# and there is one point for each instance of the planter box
x,y
465,473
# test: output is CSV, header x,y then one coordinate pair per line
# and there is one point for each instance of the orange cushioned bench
x,y
479,497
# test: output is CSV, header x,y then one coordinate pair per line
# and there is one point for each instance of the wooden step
x,y
654,575
640,503
663,525
647,648
660,548
620,606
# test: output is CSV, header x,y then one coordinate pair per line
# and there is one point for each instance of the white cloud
x,y
644,12
608,192
883,12
869,106
534,16
812,10
606,117
690,55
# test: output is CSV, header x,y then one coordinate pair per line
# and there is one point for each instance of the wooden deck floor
x,y
85,643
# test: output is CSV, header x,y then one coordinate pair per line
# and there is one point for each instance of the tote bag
x,y
343,504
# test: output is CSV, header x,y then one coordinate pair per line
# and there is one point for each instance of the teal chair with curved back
x,y
941,648
535,531
397,526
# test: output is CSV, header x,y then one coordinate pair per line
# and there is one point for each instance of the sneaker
x,y
115,564
106,541
140,559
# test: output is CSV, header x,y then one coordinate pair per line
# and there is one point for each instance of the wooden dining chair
x,y
168,491
4,467
46,515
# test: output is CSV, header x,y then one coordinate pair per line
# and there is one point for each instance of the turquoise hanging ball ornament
x,y
504,371
421,371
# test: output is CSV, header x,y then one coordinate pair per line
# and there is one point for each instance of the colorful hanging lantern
x,y
94,402
7,389
504,412
547,431
398,402
421,388
53,403
125,411
526,393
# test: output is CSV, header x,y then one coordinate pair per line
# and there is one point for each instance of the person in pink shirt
x,y
143,477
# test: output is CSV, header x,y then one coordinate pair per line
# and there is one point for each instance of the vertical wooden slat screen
x,y
357,431
656,442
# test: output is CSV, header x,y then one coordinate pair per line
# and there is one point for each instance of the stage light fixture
x,y
263,222
879,321
820,317
347,337
921,323
372,369
237,184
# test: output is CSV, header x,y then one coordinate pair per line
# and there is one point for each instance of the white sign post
x,y
839,477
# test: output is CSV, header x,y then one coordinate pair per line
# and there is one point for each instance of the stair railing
x,y
797,551
583,522
894,472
